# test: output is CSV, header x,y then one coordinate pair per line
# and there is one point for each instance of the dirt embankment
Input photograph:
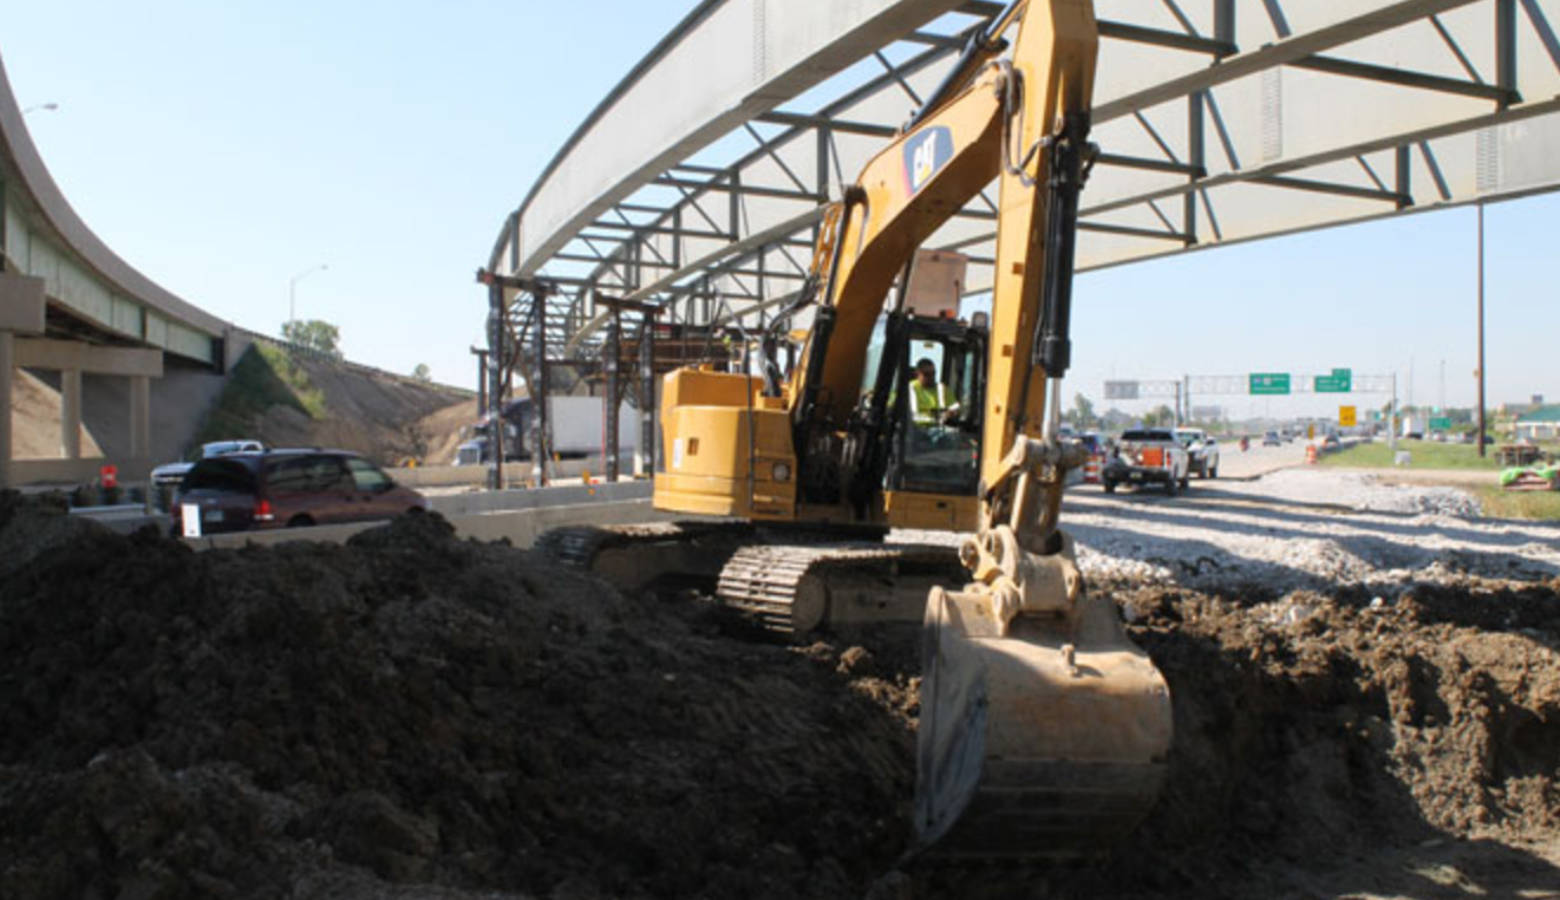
x,y
412,715
286,398
35,421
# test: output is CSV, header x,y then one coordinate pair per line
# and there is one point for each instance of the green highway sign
x,y
1341,381
1269,382
1440,423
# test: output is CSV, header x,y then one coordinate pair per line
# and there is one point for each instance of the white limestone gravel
x,y
1303,528
1299,528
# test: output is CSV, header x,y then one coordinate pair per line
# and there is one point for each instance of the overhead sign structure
x,y
1341,381
1346,417
1269,382
1121,390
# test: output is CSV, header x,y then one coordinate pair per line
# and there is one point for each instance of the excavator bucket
x,y
1047,742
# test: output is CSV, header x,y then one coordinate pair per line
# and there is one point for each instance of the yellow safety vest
x,y
929,401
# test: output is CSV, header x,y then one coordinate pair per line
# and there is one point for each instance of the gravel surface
x,y
1303,529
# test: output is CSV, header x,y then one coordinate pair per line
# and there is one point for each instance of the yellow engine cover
x,y
727,447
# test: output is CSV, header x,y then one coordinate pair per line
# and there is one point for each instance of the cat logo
x,y
924,154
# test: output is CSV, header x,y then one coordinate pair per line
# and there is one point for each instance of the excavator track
x,y
633,557
796,588
789,582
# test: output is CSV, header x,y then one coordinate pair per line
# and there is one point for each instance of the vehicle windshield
x,y
221,447
1145,435
226,475
1187,437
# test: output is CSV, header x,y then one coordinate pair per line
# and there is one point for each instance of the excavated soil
x,y
411,715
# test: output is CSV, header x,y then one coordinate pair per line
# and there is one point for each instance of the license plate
x,y
212,515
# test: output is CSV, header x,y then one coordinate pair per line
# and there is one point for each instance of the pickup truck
x,y
1148,456
1203,450
168,475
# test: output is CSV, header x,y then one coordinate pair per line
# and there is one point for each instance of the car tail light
x,y
263,512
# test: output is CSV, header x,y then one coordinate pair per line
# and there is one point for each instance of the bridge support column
x,y
7,371
140,417
70,413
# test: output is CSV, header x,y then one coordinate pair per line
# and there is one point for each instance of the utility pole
x,y
1480,371
1392,426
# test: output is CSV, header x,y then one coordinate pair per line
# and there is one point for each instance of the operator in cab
x,y
932,403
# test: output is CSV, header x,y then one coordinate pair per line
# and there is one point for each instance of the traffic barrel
x,y
1310,454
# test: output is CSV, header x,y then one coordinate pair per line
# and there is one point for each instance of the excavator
x,y
1044,731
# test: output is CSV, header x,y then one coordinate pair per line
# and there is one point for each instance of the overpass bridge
x,y
119,347
693,191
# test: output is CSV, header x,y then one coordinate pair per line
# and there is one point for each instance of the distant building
x,y
1521,406
1542,424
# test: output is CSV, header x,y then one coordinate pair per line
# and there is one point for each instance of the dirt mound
x,y
1316,731
331,721
412,715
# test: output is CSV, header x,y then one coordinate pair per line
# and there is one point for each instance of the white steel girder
x,y
695,184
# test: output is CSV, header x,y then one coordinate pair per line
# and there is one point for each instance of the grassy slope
x,y
1425,454
264,377
1430,455
1519,504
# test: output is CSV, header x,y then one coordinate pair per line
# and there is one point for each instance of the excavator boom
x,y
1044,730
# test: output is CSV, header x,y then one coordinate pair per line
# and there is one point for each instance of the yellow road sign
x,y
1346,417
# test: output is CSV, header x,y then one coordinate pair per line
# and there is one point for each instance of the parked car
x,y
1202,450
287,489
1148,456
1271,439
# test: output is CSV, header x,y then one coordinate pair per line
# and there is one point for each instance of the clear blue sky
x,y
222,148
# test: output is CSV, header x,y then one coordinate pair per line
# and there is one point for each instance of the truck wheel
x,y
1110,486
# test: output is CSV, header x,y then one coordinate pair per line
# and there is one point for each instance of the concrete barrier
x,y
531,498
519,526
515,473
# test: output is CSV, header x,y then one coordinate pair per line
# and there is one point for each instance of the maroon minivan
x,y
288,489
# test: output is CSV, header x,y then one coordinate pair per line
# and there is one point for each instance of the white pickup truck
x,y
170,474
1202,449
1148,456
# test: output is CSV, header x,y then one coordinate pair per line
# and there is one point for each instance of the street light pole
x,y
292,289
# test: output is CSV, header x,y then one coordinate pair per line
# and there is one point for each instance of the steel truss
x,y
1219,121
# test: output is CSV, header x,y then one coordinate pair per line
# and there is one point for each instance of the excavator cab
x,y
926,435
937,439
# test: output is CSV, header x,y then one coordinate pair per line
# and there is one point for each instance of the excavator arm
x,y
1044,730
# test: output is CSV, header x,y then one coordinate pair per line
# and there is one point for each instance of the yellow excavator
x,y
1043,730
